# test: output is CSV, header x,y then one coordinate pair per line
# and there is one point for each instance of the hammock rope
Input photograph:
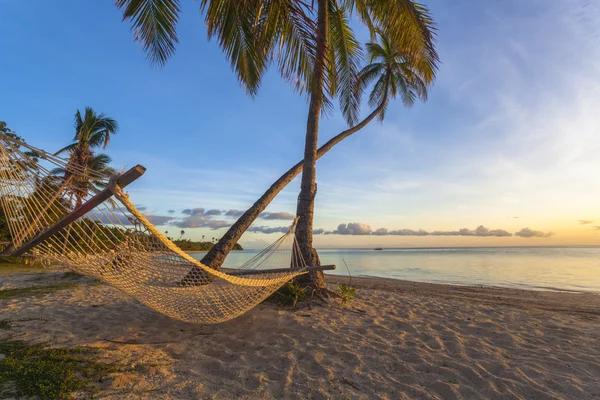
x,y
116,243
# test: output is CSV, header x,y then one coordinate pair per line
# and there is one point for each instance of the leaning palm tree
x,y
313,46
394,75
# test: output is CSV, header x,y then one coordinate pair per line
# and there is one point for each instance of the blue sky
x,y
507,140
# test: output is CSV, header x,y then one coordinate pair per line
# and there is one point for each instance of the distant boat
x,y
378,248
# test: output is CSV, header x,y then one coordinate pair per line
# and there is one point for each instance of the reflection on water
x,y
537,268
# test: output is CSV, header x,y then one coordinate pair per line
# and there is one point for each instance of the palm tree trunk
x,y
308,187
216,256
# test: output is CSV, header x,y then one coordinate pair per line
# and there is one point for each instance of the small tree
x,y
92,130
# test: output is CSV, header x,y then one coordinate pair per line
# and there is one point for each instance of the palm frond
x,y
347,52
232,23
154,24
67,149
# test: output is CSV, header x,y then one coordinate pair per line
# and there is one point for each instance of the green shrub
x,y
291,293
347,293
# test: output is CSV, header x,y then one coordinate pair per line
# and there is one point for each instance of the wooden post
x,y
125,179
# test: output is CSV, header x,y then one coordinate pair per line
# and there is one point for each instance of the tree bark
x,y
308,187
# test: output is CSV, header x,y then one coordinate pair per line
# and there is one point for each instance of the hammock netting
x,y
115,243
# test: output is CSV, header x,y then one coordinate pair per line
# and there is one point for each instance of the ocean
x,y
575,269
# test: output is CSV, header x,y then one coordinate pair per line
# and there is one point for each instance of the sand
x,y
396,340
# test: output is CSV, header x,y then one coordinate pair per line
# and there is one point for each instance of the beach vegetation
x,y
291,294
49,373
92,130
347,293
34,290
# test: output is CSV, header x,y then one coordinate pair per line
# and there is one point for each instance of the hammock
x,y
65,213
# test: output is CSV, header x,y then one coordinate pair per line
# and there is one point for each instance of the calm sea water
x,y
535,268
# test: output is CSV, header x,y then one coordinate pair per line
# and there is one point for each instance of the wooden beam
x,y
276,270
125,179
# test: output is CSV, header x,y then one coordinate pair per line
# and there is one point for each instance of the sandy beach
x,y
396,340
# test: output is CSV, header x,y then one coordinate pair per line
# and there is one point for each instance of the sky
x,y
503,153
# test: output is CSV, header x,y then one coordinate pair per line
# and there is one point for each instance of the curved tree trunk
x,y
216,256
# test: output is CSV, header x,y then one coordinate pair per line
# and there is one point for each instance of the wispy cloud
x,y
234,213
530,233
364,229
585,222
200,221
213,212
353,228
277,216
193,211
268,229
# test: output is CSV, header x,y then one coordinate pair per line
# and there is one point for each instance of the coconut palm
x,y
97,170
313,46
394,75
92,130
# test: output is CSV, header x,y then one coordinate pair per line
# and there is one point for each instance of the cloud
x,y
159,220
529,233
234,213
363,229
120,218
193,211
585,222
480,231
284,216
213,212
171,211
318,231
399,232
353,228
268,230
141,207
201,221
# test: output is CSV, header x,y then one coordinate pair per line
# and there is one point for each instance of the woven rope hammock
x,y
65,213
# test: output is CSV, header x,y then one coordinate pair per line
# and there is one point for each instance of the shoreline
x,y
580,302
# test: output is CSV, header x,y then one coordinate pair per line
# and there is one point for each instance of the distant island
x,y
188,245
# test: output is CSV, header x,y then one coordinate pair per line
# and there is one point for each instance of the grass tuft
x,y
290,294
49,373
347,293
34,290
5,324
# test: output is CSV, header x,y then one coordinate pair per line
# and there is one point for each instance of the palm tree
x,y
94,179
395,76
313,46
92,130
181,233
